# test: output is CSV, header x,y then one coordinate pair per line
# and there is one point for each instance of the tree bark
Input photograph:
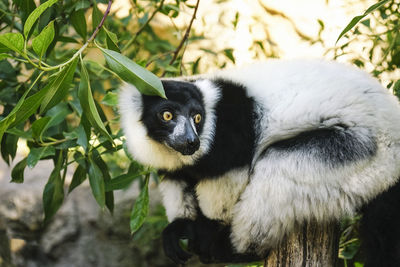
x,y
310,245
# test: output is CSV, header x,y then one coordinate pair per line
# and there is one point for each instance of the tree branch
x,y
185,37
94,34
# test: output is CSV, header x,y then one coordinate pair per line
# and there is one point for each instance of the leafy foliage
x,y
378,30
59,73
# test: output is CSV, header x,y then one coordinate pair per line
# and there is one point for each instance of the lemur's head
x,y
169,133
178,120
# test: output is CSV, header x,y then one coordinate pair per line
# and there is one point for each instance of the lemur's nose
x,y
193,142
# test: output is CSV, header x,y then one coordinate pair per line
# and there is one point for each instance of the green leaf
x,y
29,106
66,39
110,99
39,126
121,182
88,104
229,54
97,16
13,41
9,147
141,208
145,81
81,159
5,124
106,177
41,42
97,183
396,88
26,7
19,112
82,138
59,87
356,19
4,48
4,56
78,178
236,20
79,23
20,133
83,4
17,173
35,15
112,40
367,23
53,193
38,153
86,127
57,114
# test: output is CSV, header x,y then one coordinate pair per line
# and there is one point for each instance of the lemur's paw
x,y
179,229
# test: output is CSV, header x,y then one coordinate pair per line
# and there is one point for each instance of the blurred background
x,y
224,33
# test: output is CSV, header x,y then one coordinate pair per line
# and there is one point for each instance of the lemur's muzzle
x,y
186,143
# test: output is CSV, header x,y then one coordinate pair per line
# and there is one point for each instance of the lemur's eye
x,y
167,116
197,118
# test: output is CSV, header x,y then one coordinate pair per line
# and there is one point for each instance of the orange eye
x,y
167,116
197,118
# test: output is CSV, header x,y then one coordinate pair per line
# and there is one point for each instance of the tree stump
x,y
310,245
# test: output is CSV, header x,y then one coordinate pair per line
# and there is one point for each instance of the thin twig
x,y
185,37
101,22
133,39
181,59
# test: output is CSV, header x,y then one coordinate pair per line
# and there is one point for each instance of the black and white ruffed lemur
x,y
248,153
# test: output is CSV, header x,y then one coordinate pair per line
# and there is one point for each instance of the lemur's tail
x,y
380,230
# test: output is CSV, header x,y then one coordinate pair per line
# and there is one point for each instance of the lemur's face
x,y
169,133
177,121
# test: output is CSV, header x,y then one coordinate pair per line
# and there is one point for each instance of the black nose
x,y
193,143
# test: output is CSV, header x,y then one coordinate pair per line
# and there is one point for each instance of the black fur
x,y
209,239
234,140
380,229
333,146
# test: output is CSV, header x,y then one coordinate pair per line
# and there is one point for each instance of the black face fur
x,y
184,101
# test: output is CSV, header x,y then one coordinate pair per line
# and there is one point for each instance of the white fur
x,y
288,188
151,153
193,126
177,204
217,197
179,128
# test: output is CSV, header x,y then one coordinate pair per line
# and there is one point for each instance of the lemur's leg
x,y
380,229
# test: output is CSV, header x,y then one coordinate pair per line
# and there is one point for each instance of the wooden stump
x,y
311,245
